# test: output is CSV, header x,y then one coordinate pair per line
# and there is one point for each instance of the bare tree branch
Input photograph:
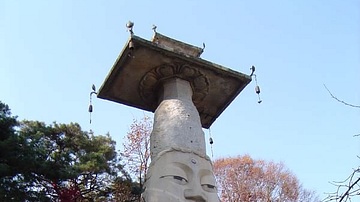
x,y
352,188
346,194
337,99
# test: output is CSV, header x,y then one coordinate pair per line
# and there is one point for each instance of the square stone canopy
x,y
135,78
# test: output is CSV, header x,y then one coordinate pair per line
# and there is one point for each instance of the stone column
x,y
176,120
180,169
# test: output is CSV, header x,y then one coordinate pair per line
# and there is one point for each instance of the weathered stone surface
x,y
176,120
176,46
178,175
186,93
143,65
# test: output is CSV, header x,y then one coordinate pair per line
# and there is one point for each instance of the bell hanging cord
x,y
257,87
90,105
257,90
211,141
90,109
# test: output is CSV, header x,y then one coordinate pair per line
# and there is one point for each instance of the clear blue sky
x,y
51,52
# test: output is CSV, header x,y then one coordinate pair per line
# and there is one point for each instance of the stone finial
x,y
130,26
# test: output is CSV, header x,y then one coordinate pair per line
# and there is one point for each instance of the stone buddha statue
x,y
180,170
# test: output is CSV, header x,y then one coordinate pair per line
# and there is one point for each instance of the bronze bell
x,y
257,89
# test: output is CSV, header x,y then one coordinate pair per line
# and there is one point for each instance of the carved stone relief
x,y
150,82
180,175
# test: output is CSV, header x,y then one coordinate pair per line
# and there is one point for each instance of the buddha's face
x,y
179,176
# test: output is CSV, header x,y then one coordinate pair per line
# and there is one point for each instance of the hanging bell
x,y
211,141
257,90
90,108
131,45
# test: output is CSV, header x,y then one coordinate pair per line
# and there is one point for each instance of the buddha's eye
x,y
175,178
209,188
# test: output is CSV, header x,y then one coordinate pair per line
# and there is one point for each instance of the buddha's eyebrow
x,y
204,172
184,167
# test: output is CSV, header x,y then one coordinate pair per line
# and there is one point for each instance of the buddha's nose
x,y
195,194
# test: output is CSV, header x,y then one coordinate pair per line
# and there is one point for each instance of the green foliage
x,y
8,142
13,186
40,162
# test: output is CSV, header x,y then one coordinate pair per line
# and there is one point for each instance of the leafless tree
x,y
350,187
341,101
136,153
242,178
347,189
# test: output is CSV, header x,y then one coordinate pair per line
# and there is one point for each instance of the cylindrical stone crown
x,y
176,120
